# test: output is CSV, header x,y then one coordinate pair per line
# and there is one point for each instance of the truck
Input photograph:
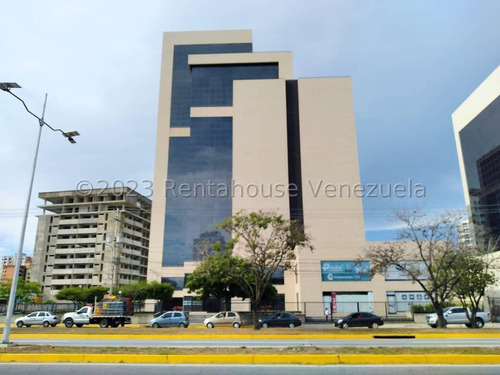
x,y
458,315
110,312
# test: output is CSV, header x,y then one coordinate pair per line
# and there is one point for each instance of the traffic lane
x,y
127,369
258,343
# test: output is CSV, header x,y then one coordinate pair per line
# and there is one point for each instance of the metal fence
x,y
313,311
26,308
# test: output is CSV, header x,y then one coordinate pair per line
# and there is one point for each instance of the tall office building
x,y
476,124
236,131
91,238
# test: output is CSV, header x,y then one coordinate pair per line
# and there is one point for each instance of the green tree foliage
x,y
138,292
427,251
265,241
160,291
475,276
217,277
74,294
82,295
95,293
141,291
26,290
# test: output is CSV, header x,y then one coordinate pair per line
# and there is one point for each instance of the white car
x,y
224,318
457,315
44,318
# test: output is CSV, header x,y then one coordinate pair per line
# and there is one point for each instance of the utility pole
x,y
115,255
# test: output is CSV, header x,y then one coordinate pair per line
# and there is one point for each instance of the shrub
x,y
428,307
177,308
265,307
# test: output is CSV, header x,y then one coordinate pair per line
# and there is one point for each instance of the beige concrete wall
x,y
329,156
284,60
260,152
260,156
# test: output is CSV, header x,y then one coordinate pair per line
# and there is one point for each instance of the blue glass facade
x,y
202,161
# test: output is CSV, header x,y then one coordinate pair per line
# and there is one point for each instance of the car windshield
x,y
447,309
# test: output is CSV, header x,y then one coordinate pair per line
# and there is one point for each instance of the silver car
x,y
44,318
171,319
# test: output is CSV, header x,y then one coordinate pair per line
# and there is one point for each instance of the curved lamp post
x,y
7,86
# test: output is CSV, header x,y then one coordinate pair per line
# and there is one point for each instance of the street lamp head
x,y
6,86
70,136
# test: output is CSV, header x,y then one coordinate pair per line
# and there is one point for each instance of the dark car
x,y
280,319
359,319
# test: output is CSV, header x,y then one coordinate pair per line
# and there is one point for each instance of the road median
x,y
303,359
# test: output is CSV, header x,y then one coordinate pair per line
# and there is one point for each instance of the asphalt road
x,y
121,369
260,343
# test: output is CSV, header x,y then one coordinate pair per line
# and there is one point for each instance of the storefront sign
x,y
345,270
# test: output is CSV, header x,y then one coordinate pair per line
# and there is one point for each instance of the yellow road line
x,y
250,336
318,359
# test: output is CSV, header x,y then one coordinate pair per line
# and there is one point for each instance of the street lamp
x,y
7,86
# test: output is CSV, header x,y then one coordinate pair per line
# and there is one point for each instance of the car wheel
x,y
28,325
345,325
46,324
236,325
265,325
433,325
19,324
291,325
182,325
210,325
155,325
468,325
374,325
104,323
53,324
479,323
79,325
68,323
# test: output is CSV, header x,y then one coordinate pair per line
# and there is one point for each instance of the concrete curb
x,y
254,336
302,359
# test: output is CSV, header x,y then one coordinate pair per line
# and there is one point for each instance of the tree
x,y
138,292
427,251
160,291
475,277
143,290
82,295
217,277
25,292
266,241
73,294
95,293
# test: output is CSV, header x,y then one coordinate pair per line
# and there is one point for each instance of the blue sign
x,y
345,270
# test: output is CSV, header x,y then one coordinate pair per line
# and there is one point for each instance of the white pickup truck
x,y
457,315
107,313
78,318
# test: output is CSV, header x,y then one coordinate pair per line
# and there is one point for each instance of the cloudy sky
x,y
412,64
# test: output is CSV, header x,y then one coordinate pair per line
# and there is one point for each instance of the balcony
x,y
77,231
74,261
76,271
73,282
